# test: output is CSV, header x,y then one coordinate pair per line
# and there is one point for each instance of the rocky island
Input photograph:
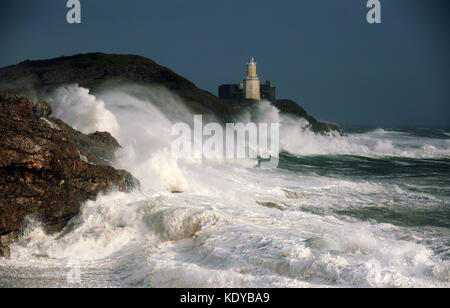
x,y
93,70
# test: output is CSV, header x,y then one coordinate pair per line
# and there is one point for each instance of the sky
x,y
320,53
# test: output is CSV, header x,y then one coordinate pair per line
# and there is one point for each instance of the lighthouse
x,y
249,89
252,86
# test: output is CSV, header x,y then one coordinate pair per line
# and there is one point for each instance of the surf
x,y
366,209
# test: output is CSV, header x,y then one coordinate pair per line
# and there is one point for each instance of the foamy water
x,y
366,209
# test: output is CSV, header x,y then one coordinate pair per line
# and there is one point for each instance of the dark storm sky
x,y
321,53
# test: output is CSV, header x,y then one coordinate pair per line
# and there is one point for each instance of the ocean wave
x,y
166,240
378,144
216,223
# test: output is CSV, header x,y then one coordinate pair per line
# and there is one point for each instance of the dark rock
x,y
48,169
286,106
4,251
42,109
290,107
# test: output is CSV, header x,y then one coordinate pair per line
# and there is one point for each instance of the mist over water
x,y
369,209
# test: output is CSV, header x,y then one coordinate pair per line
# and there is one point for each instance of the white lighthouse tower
x,y
252,86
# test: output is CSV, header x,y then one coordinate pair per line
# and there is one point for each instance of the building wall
x,y
231,92
235,92
268,91
252,89
251,71
252,86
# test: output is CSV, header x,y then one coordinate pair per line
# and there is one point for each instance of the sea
x,y
370,208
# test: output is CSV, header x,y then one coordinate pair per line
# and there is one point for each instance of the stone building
x,y
250,88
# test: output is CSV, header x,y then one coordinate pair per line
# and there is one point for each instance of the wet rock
x,y
4,251
272,205
42,109
48,169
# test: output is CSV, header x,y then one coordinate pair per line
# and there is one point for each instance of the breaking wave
x,y
230,224
376,143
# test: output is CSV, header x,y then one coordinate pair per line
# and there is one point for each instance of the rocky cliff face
x,y
47,169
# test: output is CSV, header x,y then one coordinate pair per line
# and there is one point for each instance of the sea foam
x,y
215,231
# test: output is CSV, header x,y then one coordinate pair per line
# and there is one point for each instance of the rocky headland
x,y
94,70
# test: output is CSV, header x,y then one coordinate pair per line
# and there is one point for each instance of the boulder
x,y
48,169
4,251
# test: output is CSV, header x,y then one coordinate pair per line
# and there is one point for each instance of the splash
x,y
230,224
82,111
